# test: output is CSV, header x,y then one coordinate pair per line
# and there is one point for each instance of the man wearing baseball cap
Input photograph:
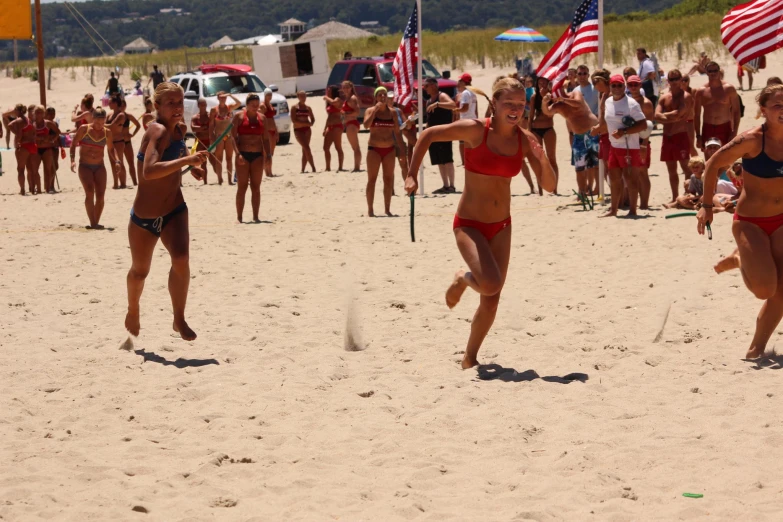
x,y
673,110
624,121
467,105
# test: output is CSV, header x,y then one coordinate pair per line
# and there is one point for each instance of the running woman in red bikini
x,y
219,119
384,130
92,139
270,112
333,132
199,124
253,143
304,120
24,143
351,118
494,150
758,219
159,210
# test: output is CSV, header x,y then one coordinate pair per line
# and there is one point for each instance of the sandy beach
x,y
577,414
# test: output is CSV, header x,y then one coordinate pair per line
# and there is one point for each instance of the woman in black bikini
x,y
127,136
333,132
542,125
759,214
252,139
384,129
159,210
219,119
303,123
92,139
494,150
351,119
116,123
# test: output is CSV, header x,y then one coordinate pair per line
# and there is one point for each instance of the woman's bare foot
x,y
754,352
455,290
730,262
182,328
132,323
609,214
469,362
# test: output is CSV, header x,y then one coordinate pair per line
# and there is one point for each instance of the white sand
x,y
89,431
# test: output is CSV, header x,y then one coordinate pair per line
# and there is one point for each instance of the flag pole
x,y
420,90
601,170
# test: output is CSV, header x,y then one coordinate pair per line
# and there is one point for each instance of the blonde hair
x,y
695,160
501,85
98,113
347,83
766,93
165,88
40,108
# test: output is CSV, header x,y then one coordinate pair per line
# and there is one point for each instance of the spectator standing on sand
x,y
468,106
649,76
439,112
156,77
673,111
586,170
721,105
113,85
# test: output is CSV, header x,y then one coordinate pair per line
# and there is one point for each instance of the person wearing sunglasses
x,y
673,111
634,84
624,121
721,105
600,81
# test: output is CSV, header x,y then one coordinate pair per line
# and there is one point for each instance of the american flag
x,y
404,63
753,29
581,37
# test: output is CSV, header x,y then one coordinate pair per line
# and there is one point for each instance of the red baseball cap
x,y
617,78
634,79
467,78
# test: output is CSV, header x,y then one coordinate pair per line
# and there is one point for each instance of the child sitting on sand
x,y
694,187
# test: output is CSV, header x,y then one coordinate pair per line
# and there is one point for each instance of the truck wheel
x,y
285,138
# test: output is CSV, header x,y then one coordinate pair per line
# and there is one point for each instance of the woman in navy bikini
x,y
92,139
351,119
253,144
758,220
384,129
541,124
494,150
303,120
333,132
159,210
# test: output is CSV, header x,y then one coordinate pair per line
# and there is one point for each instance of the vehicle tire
x,y
285,138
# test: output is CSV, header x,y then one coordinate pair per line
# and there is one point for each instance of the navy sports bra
x,y
175,150
762,166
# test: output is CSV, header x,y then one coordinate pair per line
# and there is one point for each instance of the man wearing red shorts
x,y
674,109
624,159
721,109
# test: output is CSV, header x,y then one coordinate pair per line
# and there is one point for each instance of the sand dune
x,y
577,415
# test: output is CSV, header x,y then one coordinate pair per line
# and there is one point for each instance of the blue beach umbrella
x,y
522,34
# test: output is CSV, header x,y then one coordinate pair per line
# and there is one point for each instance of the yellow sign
x,y
16,21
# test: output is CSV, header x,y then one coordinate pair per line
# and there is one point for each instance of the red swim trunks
x,y
603,147
617,158
768,224
722,132
676,147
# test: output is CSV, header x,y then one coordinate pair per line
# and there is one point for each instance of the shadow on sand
x,y
495,372
770,360
179,363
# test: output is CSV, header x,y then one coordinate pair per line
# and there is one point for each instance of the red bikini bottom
x,y
488,230
768,224
381,151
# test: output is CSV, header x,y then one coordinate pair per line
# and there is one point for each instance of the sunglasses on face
x,y
634,85
617,85
675,79
581,74
713,71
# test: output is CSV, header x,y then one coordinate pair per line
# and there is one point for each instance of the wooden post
x,y
39,43
614,56
49,80
187,61
679,51
483,62
92,75
16,53
453,62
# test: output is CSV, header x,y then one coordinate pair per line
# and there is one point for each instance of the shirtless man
x,y
200,126
673,111
634,84
579,120
721,109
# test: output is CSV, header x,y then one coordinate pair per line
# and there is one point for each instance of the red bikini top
x,y
331,109
347,107
270,113
249,127
378,122
481,160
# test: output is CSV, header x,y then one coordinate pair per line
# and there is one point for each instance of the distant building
x,y
292,29
334,30
373,26
171,10
226,40
139,46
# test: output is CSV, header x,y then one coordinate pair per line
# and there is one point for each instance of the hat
x,y
617,78
713,141
379,90
267,91
634,79
467,78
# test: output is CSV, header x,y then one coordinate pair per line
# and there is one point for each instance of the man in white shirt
x,y
649,76
624,159
468,105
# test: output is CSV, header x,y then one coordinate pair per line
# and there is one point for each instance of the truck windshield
x,y
233,84
385,70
